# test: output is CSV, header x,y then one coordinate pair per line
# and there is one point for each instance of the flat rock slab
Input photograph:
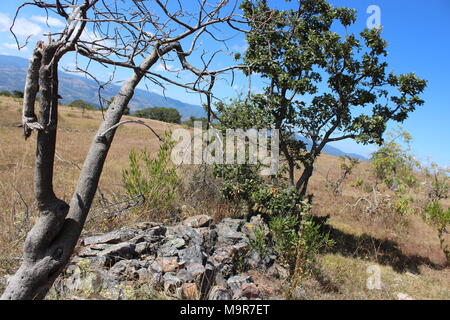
x,y
198,221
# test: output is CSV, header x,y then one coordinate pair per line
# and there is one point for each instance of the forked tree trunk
x,y
302,183
50,243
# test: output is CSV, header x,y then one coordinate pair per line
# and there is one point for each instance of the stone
x,y
87,279
118,251
198,221
233,224
209,237
235,283
171,246
197,270
169,264
171,283
112,237
189,291
219,293
229,236
187,233
185,276
278,271
192,254
147,225
144,275
142,248
247,291
124,269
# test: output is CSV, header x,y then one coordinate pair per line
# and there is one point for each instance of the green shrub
x,y
439,185
286,237
81,105
312,241
17,94
440,220
5,93
155,178
297,242
357,183
190,122
346,165
170,115
278,201
392,164
259,243
403,205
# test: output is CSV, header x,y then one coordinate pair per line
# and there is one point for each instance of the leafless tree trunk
x,y
50,243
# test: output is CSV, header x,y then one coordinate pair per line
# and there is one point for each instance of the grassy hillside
x,y
405,247
73,87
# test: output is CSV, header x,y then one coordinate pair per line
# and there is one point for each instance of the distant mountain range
x,y
333,151
72,87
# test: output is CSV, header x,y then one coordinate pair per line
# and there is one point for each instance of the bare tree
x,y
116,33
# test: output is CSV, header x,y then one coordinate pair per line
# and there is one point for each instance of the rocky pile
x,y
193,260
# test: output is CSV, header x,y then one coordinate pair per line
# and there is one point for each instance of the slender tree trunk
x,y
302,183
291,163
50,243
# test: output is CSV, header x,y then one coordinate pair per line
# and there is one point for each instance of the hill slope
x,y
72,87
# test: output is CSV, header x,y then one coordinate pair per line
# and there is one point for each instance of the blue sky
x,y
418,33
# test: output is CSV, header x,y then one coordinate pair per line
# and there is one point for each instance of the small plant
x,y
359,182
346,164
394,165
311,242
285,237
259,243
439,185
403,205
440,220
154,178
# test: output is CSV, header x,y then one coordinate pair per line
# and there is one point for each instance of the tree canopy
x,y
322,85
159,113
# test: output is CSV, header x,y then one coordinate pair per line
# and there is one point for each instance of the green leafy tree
x,y
323,85
393,164
190,122
17,94
5,93
170,115
80,104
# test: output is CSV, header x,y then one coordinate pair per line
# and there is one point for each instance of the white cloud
x,y
5,22
13,46
48,21
22,26
164,67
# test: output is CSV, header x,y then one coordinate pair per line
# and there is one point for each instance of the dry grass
x,y
406,248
